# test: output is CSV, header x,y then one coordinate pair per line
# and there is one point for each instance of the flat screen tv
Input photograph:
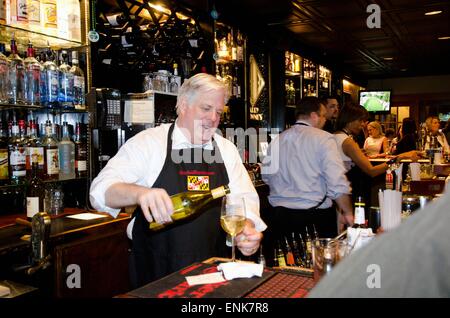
x,y
376,101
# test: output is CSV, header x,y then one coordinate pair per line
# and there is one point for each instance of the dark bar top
x,y
12,234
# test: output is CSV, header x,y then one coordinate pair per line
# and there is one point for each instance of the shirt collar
x,y
179,140
303,122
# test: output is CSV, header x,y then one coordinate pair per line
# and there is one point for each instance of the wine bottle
x,y
360,218
189,203
289,255
280,256
35,192
296,251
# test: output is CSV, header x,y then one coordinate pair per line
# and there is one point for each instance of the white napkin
x,y
232,270
391,208
357,238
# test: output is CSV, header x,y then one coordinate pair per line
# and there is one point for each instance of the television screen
x,y
375,101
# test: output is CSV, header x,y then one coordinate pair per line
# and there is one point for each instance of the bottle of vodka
x,y
16,92
4,74
32,77
65,96
78,83
52,78
66,149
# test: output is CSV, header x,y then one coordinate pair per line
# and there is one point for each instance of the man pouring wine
x,y
163,161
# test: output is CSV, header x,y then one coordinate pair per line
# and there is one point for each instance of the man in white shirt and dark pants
x,y
147,170
305,173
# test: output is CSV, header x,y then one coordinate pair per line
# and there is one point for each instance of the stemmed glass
x,y
232,218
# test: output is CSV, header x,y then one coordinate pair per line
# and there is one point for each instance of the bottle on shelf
x,y
4,74
32,77
308,243
261,258
240,47
35,191
34,148
16,146
51,155
65,96
66,149
186,204
4,156
360,216
52,80
16,91
78,83
316,235
80,152
306,257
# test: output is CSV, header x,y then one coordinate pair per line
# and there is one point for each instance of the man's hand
x,y
155,204
249,239
344,219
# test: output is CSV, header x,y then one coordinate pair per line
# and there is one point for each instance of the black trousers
x,y
286,221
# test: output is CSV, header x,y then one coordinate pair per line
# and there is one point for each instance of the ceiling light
x,y
404,69
433,12
388,58
444,38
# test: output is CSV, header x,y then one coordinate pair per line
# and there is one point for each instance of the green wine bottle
x,y
188,203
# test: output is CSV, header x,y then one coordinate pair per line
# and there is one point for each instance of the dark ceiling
x,y
337,30
334,32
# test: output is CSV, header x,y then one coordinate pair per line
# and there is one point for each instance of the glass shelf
x,y
6,187
4,106
37,38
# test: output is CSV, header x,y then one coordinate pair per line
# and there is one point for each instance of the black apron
x,y
157,254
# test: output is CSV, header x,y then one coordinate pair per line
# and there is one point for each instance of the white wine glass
x,y
232,218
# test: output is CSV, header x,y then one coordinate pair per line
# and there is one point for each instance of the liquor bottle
x,y
34,148
261,258
280,256
389,179
51,156
78,83
43,80
316,235
4,74
17,169
16,76
186,204
275,258
240,47
52,79
66,149
289,255
35,192
306,257
80,153
360,216
233,46
308,244
32,77
296,251
4,157
65,96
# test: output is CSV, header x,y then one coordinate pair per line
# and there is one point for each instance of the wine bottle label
x,y
52,161
39,152
218,192
32,206
359,215
81,165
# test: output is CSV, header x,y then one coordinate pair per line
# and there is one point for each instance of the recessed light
x,y
444,38
388,58
404,69
433,12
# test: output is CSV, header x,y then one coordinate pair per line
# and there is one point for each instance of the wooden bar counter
x,y
96,250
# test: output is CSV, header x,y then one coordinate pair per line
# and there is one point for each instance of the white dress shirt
x,y
141,159
303,164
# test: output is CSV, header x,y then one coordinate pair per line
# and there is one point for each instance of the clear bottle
x,y
43,80
290,261
360,214
261,258
4,74
51,155
80,152
78,83
66,149
35,191
17,168
4,156
16,89
52,79
66,80
186,204
32,77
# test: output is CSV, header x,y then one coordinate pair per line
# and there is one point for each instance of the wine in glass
x,y
232,218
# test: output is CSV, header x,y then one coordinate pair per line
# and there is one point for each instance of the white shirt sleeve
x,y
240,182
135,162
